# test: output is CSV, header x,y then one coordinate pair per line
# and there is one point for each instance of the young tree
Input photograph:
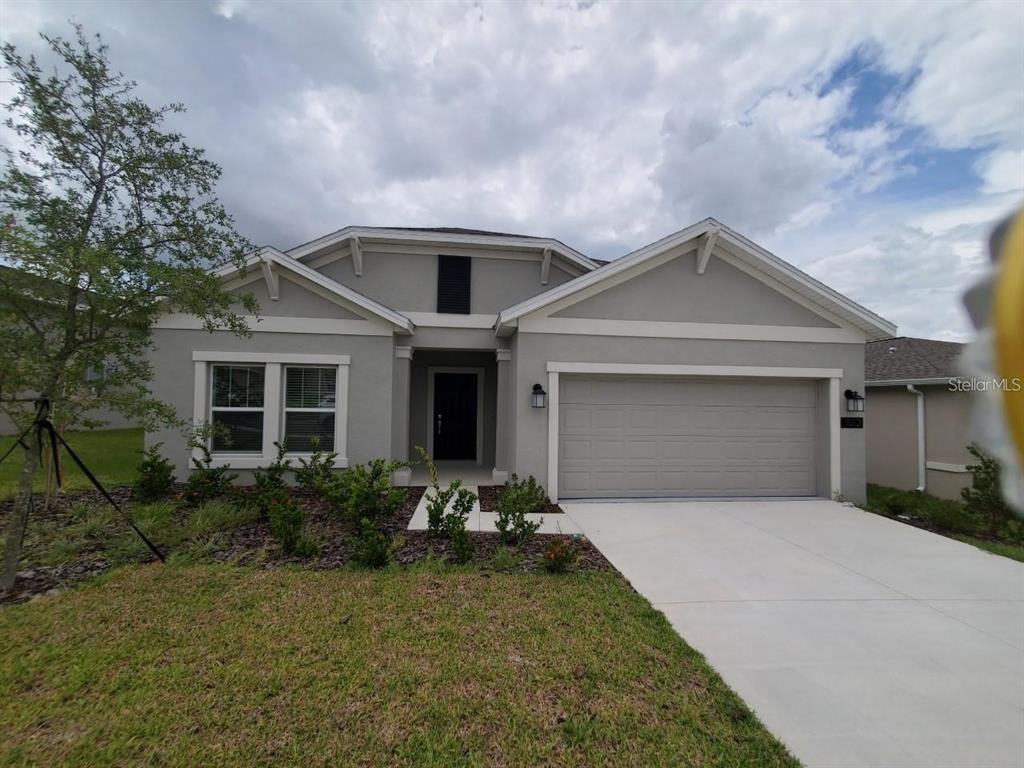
x,y
106,220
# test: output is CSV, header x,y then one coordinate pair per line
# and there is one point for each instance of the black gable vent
x,y
453,275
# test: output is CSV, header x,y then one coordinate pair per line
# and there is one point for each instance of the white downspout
x,y
922,467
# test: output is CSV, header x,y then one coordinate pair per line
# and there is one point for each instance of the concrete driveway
x,y
858,641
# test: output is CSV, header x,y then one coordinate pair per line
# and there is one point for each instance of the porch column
x,y
502,426
400,412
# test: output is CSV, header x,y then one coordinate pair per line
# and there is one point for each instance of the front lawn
x,y
945,516
112,455
214,665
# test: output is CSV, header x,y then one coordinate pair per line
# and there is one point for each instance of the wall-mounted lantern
x,y
538,398
854,401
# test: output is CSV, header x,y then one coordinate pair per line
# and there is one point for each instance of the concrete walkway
x,y
859,641
485,521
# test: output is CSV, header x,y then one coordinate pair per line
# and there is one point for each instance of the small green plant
x,y
156,476
453,525
316,474
207,481
366,491
269,482
372,549
560,555
984,498
517,499
287,523
437,497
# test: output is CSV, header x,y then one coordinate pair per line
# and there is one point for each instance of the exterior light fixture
x,y
854,401
538,398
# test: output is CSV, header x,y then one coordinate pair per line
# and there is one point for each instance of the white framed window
x,y
310,406
237,396
259,398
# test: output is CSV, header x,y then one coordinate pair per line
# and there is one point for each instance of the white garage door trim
x,y
642,369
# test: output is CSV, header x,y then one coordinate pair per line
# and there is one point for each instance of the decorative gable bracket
x,y
545,266
271,278
357,256
707,245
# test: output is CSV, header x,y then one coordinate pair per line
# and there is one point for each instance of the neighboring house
x,y
699,365
918,429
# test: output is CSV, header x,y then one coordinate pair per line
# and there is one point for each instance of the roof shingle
x,y
907,359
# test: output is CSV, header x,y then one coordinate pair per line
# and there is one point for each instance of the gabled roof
x,y
443,235
872,325
272,256
907,360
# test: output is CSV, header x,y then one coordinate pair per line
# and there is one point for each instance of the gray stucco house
x,y
698,365
920,424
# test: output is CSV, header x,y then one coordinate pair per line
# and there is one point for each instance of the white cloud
x,y
606,125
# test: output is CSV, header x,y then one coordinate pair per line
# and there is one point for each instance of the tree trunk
x,y
19,519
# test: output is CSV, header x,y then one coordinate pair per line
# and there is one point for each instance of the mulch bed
x,y
252,544
489,493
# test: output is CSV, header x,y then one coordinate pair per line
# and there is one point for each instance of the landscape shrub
x,y
269,482
207,481
317,474
365,491
515,500
454,526
984,498
437,497
156,476
372,549
560,555
287,523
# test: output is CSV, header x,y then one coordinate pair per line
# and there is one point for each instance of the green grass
x,y
97,530
947,517
430,666
112,455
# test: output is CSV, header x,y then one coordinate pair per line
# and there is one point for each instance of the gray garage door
x,y
659,436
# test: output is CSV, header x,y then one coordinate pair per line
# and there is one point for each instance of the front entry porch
x,y
453,404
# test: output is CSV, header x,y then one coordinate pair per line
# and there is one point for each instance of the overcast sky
x,y
871,144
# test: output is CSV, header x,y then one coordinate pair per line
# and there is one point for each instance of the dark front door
x,y
455,415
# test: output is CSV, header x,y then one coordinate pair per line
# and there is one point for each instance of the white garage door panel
x,y
660,436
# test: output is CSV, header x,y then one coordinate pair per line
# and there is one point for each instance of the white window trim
x,y
832,375
479,373
272,393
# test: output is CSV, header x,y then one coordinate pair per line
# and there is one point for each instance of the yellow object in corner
x,y
1008,327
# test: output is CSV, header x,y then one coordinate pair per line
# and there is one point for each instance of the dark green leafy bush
x,y
156,476
372,549
206,481
366,491
515,500
560,555
269,482
454,525
317,474
287,523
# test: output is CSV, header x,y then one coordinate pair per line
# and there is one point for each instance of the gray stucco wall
x,y
892,438
675,292
295,301
370,377
535,350
408,281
